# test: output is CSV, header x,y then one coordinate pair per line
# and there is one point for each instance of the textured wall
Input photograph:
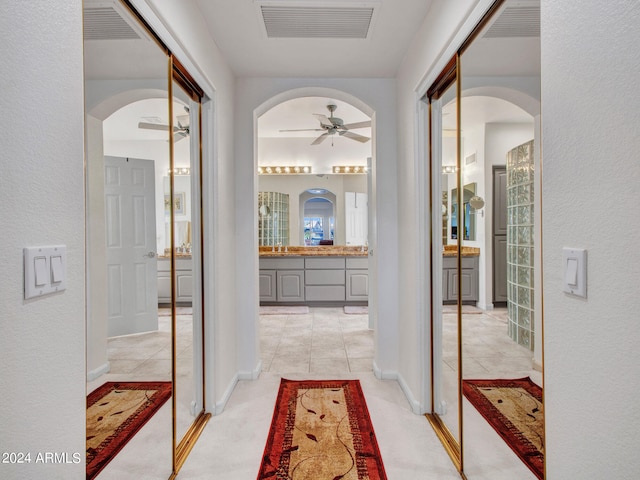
x,y
591,172
42,375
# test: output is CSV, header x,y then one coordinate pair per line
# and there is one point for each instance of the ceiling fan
x,y
332,125
180,129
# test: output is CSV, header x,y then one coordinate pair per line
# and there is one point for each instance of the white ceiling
x,y
239,32
238,29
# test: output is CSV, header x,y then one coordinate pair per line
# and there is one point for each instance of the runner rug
x,y
321,430
514,409
115,412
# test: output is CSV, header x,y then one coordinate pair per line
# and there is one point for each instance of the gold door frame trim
x,y
449,74
177,72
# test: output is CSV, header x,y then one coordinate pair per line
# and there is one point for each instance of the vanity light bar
x,y
180,171
283,170
350,169
448,169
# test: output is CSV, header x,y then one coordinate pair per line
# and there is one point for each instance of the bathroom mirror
x,y
468,193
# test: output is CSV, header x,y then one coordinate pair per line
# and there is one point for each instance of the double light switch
x,y
44,270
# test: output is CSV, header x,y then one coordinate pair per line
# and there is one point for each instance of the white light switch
x,y
571,275
57,274
44,270
40,267
574,262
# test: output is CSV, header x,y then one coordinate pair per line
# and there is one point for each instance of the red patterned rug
x,y
115,412
321,429
514,409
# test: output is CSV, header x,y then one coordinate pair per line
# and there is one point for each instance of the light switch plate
x,y
42,275
574,271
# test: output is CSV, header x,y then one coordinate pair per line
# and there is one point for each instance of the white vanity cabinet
x,y
183,279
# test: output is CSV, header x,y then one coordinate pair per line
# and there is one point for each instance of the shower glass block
x,y
524,317
524,337
520,242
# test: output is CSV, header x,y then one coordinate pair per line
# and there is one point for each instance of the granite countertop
x,y
318,251
452,251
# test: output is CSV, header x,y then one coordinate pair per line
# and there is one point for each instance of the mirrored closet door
x,y
490,222
144,244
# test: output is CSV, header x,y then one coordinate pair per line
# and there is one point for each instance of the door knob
x,y
150,254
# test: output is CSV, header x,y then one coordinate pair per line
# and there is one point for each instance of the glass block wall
x,y
520,242
273,218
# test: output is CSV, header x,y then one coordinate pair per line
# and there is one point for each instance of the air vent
x,y
516,22
317,22
106,23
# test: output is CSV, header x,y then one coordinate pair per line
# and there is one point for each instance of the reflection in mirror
x,y
499,110
318,221
287,135
128,336
446,362
469,192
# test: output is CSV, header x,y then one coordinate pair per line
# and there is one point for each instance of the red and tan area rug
x,y
115,412
514,409
321,429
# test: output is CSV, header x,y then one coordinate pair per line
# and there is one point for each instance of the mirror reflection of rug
x,y
514,409
321,429
115,412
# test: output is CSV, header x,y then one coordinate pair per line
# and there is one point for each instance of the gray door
x,y
499,235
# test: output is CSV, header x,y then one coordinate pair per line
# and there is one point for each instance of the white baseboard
x,y
537,366
384,375
227,394
413,403
98,372
251,374
393,375
242,375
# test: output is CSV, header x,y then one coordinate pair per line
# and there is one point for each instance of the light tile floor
x,y
328,342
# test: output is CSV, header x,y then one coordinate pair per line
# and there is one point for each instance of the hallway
x,y
324,343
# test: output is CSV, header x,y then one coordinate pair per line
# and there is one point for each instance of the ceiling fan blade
x,y
354,136
320,139
365,124
177,136
153,126
182,120
323,119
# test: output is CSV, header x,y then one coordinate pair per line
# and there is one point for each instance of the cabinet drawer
x,y
324,292
327,263
358,262
324,277
282,263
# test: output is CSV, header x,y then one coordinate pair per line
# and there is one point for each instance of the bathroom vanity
x,y
315,276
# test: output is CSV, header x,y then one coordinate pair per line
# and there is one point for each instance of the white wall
x,y
182,26
42,375
424,60
590,144
375,95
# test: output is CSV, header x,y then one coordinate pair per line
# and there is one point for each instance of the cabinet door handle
x,y
150,255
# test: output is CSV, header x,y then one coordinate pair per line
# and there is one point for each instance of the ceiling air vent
x,y
106,23
317,21
516,22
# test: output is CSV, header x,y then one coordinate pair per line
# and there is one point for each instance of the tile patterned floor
x,y
324,342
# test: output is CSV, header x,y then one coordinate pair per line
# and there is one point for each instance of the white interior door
x,y
132,292
356,218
